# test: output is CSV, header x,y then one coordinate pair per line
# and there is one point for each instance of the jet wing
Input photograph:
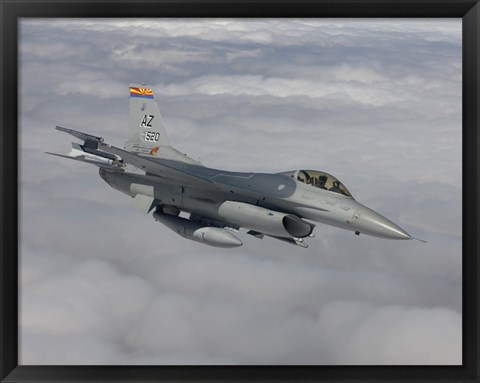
x,y
156,168
81,136
96,152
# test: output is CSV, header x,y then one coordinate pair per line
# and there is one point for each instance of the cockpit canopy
x,y
319,180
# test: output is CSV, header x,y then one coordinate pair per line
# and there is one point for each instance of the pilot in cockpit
x,y
336,187
322,180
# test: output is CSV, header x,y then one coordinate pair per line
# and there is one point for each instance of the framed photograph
x,y
107,278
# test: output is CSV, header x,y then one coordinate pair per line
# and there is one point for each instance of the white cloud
x,y
212,310
97,88
384,335
213,85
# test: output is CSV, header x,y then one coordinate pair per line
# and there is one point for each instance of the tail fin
x,y
146,129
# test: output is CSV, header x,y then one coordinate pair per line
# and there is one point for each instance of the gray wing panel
x,y
80,135
157,168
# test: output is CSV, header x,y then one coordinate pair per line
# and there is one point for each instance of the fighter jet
x,y
210,205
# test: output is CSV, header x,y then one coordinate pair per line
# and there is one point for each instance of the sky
x,y
375,102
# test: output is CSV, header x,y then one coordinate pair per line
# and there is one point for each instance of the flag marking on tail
x,y
141,92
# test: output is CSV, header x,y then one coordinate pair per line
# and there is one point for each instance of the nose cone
x,y
370,222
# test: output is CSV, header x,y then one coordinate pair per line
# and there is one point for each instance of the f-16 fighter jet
x,y
210,205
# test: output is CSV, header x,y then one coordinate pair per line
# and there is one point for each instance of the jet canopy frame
x,y
320,180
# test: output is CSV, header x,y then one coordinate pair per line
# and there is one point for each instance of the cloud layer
x,y
375,102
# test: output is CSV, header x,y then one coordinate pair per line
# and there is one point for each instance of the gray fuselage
x,y
276,192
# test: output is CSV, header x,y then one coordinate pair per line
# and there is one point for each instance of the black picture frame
x,y
12,11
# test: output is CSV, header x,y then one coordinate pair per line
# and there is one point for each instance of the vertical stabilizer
x,y
146,129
